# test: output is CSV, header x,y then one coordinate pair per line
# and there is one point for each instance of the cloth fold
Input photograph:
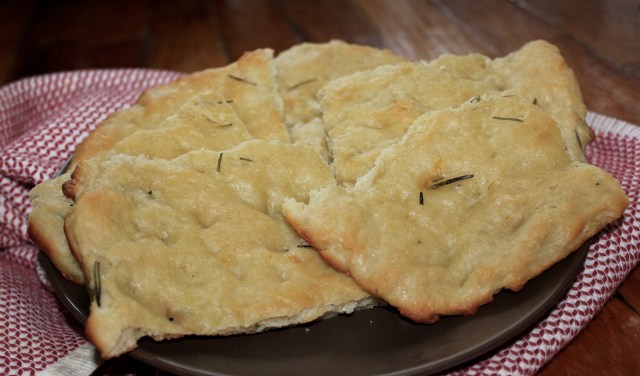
x,y
43,118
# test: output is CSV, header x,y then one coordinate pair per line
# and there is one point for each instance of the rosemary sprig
x,y
242,80
450,181
219,162
579,140
508,118
303,83
96,282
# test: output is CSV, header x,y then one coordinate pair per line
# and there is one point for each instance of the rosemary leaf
x,y
508,118
242,80
96,282
579,140
304,245
421,198
246,159
450,181
303,83
219,162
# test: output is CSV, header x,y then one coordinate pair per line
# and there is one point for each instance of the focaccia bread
x,y
366,112
205,122
199,245
214,109
471,201
248,85
305,68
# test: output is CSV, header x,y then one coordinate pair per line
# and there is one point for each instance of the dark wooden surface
x,y
599,39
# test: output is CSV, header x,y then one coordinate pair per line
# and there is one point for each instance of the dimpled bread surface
x,y
470,201
199,245
249,84
212,109
305,68
368,111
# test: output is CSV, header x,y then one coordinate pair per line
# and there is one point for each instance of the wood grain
x,y
192,30
599,39
417,30
318,21
245,28
608,29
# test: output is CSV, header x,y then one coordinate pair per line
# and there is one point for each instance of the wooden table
x,y
599,39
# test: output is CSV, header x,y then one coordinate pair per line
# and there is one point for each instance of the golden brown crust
x,y
471,201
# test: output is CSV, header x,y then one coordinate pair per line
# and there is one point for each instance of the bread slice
x,y
248,85
214,109
470,201
198,245
366,112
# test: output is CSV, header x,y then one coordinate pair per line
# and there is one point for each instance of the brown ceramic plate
x,y
371,342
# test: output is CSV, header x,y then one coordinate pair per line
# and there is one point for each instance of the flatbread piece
x,y
470,201
198,245
368,111
214,109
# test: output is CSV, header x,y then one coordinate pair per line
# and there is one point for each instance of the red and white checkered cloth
x,y
43,118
